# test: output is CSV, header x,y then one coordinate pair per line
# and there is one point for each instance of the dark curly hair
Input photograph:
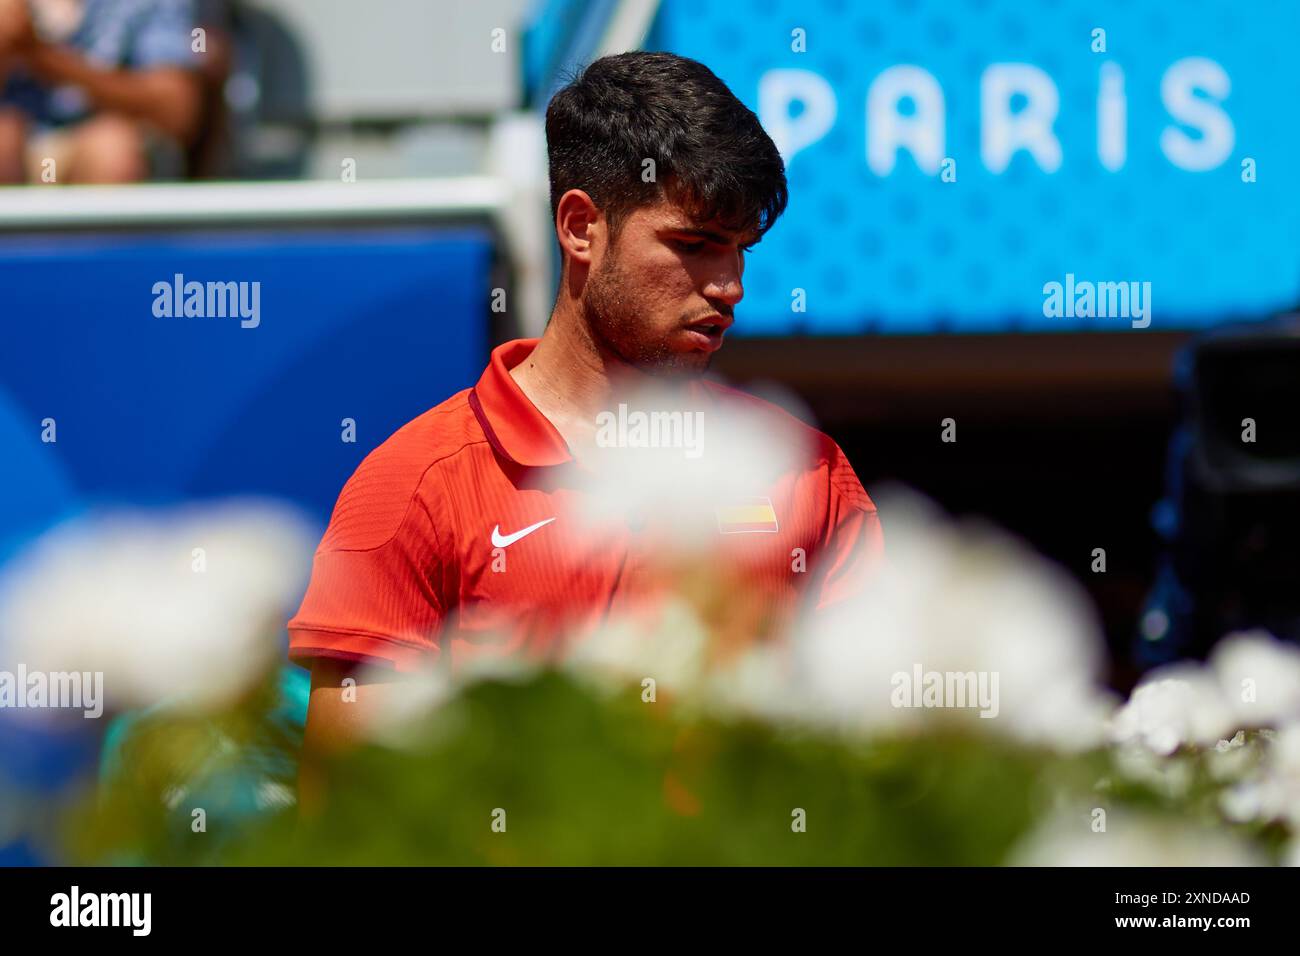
x,y
711,155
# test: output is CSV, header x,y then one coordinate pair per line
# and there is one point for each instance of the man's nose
x,y
726,285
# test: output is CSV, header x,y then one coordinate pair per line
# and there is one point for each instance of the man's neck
x,y
569,379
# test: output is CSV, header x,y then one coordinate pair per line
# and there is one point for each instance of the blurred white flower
x,y
963,600
1292,856
400,709
1181,704
1259,677
1130,840
1231,759
678,456
1172,778
757,684
1271,790
671,644
185,605
666,643
397,709
1237,742
1251,680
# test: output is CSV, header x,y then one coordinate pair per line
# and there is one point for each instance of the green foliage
x,y
586,778
583,776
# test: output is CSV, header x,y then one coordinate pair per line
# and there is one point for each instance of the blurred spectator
x,y
107,89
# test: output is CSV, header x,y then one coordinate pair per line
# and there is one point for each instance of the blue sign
x,y
950,161
175,366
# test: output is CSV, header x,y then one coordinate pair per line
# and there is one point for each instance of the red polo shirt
x,y
451,539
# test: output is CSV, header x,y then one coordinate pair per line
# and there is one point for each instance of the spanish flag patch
x,y
748,515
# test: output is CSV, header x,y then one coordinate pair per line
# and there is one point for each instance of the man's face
x,y
664,291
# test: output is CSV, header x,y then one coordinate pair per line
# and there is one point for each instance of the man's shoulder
x,y
431,436
819,451
785,425
383,490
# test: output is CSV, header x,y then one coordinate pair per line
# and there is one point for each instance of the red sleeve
x,y
376,584
855,543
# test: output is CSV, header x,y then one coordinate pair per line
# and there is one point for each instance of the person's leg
x,y
107,149
13,144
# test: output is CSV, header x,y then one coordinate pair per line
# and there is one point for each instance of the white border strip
x,y
201,205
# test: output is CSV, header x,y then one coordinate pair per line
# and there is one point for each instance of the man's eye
x,y
689,245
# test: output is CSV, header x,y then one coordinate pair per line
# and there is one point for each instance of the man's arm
x,y
169,97
16,34
166,96
376,594
337,720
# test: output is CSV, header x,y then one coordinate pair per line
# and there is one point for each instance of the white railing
x,y
518,209
231,203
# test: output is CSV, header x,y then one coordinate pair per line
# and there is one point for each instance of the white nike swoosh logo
x,y
504,541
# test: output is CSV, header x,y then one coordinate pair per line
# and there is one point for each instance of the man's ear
x,y
578,223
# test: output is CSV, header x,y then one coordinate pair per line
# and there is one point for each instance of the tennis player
x,y
454,536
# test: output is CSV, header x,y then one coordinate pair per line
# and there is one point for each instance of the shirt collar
x,y
513,424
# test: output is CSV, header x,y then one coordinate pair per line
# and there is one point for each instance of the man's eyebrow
x,y
712,236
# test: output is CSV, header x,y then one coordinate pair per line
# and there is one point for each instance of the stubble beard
x,y
613,320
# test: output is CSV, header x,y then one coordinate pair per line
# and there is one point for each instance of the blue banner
x,y
158,367
950,161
